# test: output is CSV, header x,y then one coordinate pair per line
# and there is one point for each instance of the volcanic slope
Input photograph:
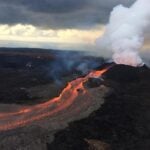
x,y
122,122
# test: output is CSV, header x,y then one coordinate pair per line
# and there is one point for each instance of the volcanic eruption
x,y
82,97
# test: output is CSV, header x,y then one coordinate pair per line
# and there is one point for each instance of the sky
x,y
57,24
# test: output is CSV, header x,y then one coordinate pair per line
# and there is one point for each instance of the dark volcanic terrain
x,y
121,122
29,76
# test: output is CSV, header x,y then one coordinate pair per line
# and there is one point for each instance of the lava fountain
x,y
53,107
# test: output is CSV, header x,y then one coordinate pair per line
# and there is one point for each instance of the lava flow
x,y
30,114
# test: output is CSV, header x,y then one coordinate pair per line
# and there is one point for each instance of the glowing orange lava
x,y
24,116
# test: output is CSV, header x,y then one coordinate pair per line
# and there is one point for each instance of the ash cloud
x,y
125,32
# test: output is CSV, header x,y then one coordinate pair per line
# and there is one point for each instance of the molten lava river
x,y
66,106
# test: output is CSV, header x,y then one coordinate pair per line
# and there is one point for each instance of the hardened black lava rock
x,y
123,121
124,73
93,82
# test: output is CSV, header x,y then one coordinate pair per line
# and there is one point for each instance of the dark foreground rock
x,y
123,121
97,145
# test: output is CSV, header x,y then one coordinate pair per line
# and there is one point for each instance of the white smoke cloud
x,y
124,34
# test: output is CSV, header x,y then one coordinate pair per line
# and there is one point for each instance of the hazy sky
x,y
60,24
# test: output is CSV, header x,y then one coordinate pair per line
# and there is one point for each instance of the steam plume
x,y
125,32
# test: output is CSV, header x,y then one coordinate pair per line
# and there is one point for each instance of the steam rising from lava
x,y
125,32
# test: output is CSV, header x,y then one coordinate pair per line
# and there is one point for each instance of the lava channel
x,y
29,114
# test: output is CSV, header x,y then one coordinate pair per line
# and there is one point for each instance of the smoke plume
x,y
124,33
